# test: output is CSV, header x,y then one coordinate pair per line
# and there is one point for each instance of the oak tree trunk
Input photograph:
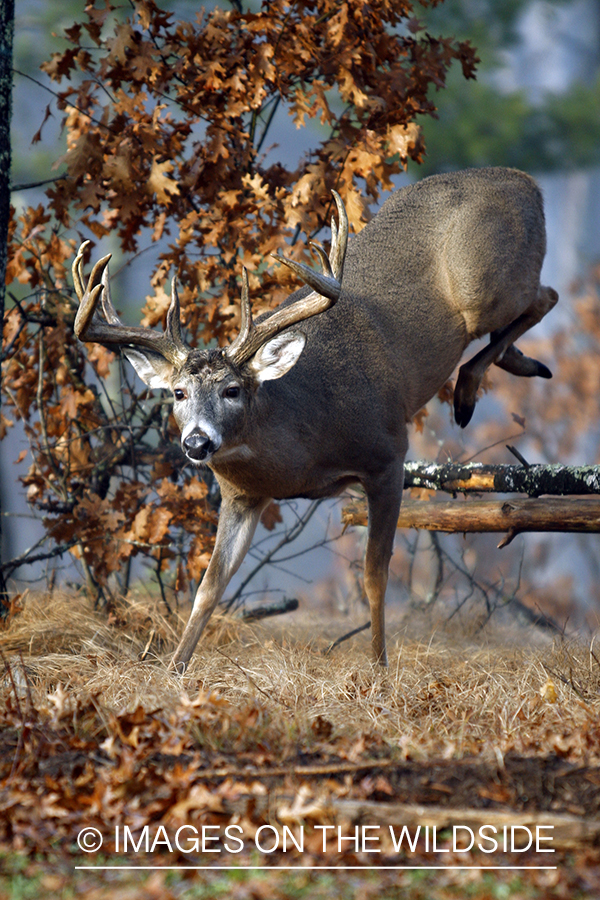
x,y
7,21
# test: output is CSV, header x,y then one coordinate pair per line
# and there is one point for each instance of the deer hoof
x,y
465,396
542,370
463,413
517,363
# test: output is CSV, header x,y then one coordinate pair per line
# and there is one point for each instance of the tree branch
x,y
533,480
511,516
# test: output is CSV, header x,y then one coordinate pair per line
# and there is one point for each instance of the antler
x,y
327,286
90,327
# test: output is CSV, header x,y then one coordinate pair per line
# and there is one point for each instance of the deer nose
x,y
197,445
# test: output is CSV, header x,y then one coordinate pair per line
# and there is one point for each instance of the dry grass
x,y
446,696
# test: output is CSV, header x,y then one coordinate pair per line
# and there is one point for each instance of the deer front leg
x,y
238,519
383,498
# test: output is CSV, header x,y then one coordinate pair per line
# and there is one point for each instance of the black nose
x,y
198,445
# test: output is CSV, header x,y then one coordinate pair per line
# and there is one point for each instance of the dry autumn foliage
x,y
261,733
167,126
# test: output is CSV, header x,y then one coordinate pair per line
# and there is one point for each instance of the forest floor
x,y
469,768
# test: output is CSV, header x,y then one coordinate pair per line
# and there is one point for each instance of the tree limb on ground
x,y
567,831
287,604
510,516
533,480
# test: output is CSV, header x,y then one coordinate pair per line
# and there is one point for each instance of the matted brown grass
x,y
444,695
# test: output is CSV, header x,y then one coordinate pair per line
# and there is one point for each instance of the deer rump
x,y
318,393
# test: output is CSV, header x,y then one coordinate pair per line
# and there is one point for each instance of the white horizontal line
x,y
311,868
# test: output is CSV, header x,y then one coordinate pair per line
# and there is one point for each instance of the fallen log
x,y
566,832
533,480
513,515
279,608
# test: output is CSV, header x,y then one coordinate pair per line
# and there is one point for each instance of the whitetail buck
x,y
317,394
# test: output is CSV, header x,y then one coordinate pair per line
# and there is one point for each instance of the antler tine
x,y
90,327
88,297
77,270
328,283
325,264
110,313
339,238
173,323
246,323
327,286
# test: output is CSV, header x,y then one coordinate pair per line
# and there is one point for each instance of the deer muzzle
x,y
198,446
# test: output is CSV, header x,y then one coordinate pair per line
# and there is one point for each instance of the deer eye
x,y
232,392
179,394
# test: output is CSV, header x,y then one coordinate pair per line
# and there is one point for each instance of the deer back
x,y
444,261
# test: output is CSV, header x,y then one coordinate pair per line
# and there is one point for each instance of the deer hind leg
x,y
501,351
517,363
383,500
237,523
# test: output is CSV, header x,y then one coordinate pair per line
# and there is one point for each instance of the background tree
x,y
500,123
7,18
167,126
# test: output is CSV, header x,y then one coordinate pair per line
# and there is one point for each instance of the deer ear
x,y
153,369
277,356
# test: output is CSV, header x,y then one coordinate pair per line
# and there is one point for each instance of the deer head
x,y
211,388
